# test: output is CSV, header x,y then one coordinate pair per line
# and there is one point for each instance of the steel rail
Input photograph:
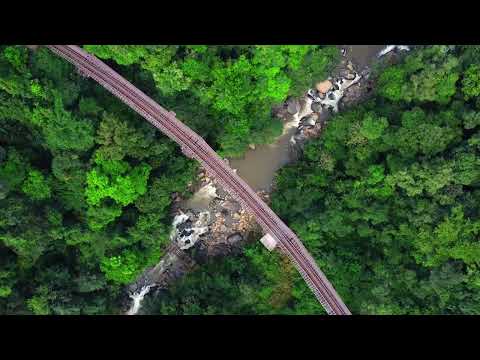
x,y
303,253
186,138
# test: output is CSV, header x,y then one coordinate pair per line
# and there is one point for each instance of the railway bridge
x,y
196,147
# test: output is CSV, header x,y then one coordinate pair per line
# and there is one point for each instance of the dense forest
x,y
386,200
86,184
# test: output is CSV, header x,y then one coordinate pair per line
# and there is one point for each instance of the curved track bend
x,y
195,147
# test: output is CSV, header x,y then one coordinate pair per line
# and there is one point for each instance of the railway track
x,y
196,147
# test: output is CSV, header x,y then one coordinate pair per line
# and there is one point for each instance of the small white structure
x,y
269,242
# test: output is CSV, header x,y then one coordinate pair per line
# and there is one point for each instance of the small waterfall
x,y
304,111
185,233
390,48
137,298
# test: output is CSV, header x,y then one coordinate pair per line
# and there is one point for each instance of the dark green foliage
x,y
386,201
13,169
236,85
60,224
471,81
251,283
86,184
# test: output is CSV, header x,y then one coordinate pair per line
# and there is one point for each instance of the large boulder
x,y
310,120
293,106
234,238
324,86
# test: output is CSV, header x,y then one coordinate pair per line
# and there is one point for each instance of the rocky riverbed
x,y
212,223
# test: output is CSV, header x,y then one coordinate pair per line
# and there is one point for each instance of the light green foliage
x,y
122,54
237,84
37,90
386,201
428,74
100,216
453,238
392,82
373,128
5,291
51,251
117,180
39,305
123,268
36,186
168,76
114,179
231,85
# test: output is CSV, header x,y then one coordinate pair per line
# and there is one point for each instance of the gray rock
x,y
316,107
232,206
309,120
218,250
234,238
293,106
350,76
300,137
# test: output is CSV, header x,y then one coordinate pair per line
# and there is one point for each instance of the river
x,y
258,167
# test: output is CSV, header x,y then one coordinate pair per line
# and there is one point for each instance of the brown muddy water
x,y
361,55
258,167
201,199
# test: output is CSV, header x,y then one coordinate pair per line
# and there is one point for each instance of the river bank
x,y
260,163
